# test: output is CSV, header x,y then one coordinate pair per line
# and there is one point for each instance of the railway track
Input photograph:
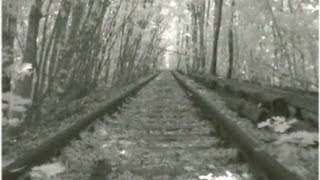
x,y
162,134
275,154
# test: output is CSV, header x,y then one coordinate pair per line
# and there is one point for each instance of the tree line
x,y
271,42
61,48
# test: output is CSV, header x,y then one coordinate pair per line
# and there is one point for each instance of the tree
x,y
9,29
217,23
202,24
258,37
230,44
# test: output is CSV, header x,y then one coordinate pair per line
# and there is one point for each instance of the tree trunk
x,y
9,28
30,54
201,29
179,44
188,68
217,24
230,44
195,59
24,87
282,44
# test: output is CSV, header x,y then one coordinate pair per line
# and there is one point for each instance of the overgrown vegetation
x,y
271,42
71,47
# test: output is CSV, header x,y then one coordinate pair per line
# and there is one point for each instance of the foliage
x,y
278,38
281,125
300,138
18,70
277,123
228,176
46,171
14,103
76,43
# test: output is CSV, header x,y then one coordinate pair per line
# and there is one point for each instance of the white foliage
x,y
263,124
228,176
18,108
16,99
13,103
301,138
206,177
60,89
280,126
278,123
47,170
189,168
19,70
14,122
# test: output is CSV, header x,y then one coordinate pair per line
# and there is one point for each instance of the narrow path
x,y
157,135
